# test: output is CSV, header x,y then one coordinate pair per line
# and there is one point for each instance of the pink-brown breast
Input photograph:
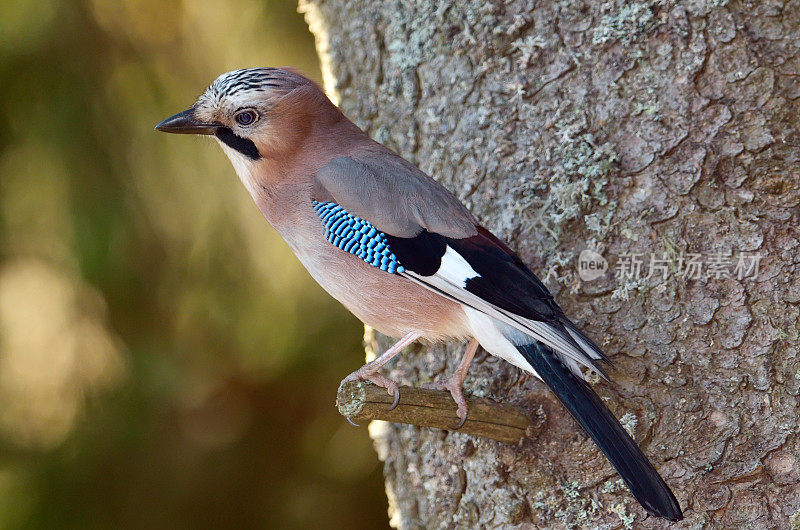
x,y
395,306
387,302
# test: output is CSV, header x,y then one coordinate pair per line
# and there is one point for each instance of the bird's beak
x,y
185,123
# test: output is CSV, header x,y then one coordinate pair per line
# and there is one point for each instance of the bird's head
x,y
255,114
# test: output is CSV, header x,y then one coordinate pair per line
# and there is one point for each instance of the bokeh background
x,y
164,360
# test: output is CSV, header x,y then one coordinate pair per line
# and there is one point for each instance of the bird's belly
x,y
387,302
488,333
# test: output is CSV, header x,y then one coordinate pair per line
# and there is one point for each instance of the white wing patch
x,y
455,269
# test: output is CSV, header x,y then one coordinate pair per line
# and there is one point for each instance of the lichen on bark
x,y
654,127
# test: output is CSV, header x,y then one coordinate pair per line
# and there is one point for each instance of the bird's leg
x,y
370,371
455,382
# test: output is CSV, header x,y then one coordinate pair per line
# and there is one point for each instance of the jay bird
x,y
401,252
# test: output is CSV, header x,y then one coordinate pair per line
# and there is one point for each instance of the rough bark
x,y
630,127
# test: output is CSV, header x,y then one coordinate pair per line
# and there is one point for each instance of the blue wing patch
x,y
357,236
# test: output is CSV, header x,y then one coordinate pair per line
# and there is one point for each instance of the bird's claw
x,y
454,387
378,379
396,401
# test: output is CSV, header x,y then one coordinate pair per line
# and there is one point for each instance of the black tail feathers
x,y
589,411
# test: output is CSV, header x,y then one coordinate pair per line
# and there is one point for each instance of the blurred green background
x,y
164,361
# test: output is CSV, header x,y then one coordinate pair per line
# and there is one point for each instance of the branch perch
x,y
360,402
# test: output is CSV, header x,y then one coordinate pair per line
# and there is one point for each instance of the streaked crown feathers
x,y
252,80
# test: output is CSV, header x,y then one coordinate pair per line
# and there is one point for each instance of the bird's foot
x,y
454,386
375,378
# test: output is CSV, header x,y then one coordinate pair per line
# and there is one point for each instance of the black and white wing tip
x,y
484,274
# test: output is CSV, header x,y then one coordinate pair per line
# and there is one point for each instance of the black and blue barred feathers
x,y
357,236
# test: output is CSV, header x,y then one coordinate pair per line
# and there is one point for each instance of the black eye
x,y
246,117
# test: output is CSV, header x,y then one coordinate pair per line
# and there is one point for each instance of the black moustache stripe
x,y
243,145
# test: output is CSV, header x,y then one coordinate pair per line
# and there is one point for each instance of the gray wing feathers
x,y
396,197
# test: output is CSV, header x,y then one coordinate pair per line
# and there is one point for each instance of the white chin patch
x,y
242,165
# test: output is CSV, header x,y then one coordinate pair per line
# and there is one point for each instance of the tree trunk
x,y
647,132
